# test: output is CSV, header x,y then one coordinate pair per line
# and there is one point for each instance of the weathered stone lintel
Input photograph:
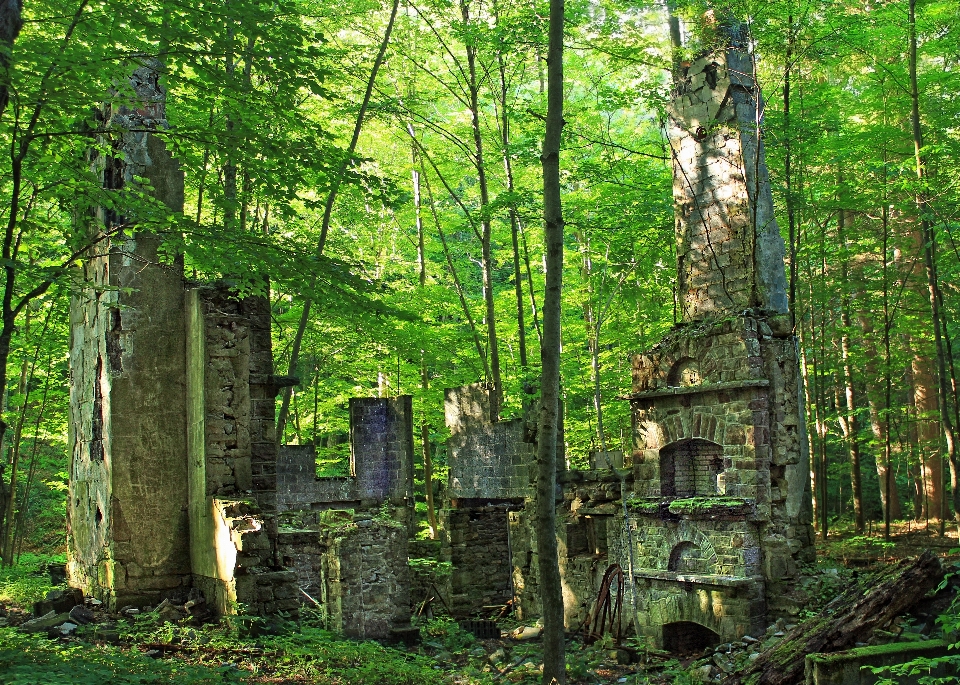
x,y
710,580
696,389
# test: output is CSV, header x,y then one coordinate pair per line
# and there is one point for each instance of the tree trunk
x,y
929,241
876,381
928,435
551,597
328,213
514,219
486,259
10,23
848,619
848,420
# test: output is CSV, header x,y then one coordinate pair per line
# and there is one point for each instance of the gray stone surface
x,y
487,460
127,521
729,249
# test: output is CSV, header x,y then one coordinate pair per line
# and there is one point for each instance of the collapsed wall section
x,y
232,454
490,467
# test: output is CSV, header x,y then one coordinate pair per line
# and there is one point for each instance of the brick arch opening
x,y
690,468
687,637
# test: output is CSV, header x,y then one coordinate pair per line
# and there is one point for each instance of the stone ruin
x,y
176,481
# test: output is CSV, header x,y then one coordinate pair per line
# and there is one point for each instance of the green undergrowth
x,y
36,660
28,581
211,655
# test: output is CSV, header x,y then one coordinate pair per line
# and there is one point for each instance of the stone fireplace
x,y
720,519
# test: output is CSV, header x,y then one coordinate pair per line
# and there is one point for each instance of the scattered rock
x,y
110,634
81,615
58,601
723,663
704,674
526,632
497,656
67,629
45,622
132,611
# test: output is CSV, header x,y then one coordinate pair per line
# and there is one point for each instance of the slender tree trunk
x,y
554,668
10,23
928,433
486,260
915,467
328,213
229,171
427,456
817,347
424,373
27,369
848,419
514,219
458,286
929,238
533,291
876,381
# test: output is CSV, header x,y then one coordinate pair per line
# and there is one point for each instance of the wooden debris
x,y
848,619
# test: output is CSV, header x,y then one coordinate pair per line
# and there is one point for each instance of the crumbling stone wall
x,y
365,577
239,569
477,543
490,471
381,461
346,538
487,460
171,409
232,453
589,528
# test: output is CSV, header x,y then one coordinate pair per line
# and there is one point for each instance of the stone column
x,y
127,518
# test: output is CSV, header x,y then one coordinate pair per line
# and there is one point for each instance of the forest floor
x,y
149,647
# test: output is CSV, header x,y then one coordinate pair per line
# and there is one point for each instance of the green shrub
x,y
28,581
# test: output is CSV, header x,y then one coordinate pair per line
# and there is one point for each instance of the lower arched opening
x,y
687,637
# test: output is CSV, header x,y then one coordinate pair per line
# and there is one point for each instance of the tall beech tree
x,y
551,589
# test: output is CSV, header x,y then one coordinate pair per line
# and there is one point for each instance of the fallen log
x,y
848,619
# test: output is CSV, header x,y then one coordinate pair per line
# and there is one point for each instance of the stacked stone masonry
x,y
171,402
730,253
176,479
347,538
712,519
487,460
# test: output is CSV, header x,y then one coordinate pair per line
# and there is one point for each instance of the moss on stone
x,y
877,650
643,505
693,505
